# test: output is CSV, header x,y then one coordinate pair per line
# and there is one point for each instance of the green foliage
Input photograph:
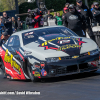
x,y
61,12
57,5
23,8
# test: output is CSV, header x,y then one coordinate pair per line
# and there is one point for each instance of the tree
x,y
9,4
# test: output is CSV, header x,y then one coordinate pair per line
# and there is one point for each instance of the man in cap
x,y
83,9
96,13
4,37
75,20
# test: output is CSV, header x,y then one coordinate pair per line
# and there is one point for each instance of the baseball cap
x,y
71,6
78,0
66,4
18,17
65,9
95,3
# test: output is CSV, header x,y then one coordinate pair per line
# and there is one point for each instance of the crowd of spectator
x,y
78,18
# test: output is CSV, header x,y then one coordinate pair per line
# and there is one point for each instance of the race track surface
x,y
73,87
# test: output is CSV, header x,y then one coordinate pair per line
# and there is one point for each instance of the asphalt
x,y
72,87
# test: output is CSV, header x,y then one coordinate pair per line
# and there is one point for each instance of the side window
x,y
13,41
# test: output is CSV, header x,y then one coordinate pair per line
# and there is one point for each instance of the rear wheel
x,y
3,68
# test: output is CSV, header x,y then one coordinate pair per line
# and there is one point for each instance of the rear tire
x,y
3,69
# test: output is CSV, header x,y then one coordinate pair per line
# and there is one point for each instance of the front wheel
x,y
33,79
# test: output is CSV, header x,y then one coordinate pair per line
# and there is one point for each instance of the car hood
x,y
58,45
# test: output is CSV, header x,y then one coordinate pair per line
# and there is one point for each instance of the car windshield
x,y
32,36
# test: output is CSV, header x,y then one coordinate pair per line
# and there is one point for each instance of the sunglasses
x,y
96,5
79,1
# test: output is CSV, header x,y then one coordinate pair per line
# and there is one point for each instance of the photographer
x,y
38,19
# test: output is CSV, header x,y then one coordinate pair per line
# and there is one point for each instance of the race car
x,y
47,52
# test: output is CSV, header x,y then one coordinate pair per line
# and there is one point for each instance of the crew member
x,y
75,20
83,9
96,13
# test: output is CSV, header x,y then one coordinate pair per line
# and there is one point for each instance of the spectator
x,y
49,15
55,15
92,7
19,24
2,27
4,37
58,19
7,23
66,6
96,13
46,17
14,24
63,17
75,20
83,9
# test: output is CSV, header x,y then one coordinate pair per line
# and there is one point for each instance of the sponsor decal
x,y
79,10
9,59
63,41
58,38
41,38
75,57
37,66
69,42
43,72
73,17
68,47
80,42
29,33
85,9
94,63
37,74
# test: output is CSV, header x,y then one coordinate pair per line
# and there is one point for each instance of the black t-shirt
x,y
85,12
74,20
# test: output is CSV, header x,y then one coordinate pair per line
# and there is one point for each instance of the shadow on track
x,y
71,77
62,78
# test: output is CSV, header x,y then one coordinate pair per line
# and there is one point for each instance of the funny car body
x,y
47,52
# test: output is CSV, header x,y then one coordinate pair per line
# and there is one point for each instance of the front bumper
x,y
72,66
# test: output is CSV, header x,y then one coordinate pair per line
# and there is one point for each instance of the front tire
x,y
33,79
